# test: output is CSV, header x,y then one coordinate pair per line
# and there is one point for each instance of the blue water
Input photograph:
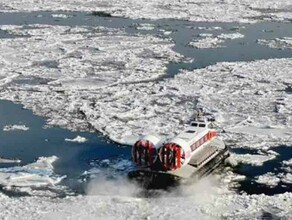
x,y
74,158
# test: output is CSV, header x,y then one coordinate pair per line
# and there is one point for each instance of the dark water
x,y
5,34
274,166
75,158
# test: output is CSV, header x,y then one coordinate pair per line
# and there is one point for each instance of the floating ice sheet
x,y
288,162
37,174
286,178
5,160
59,16
231,36
77,139
207,40
281,43
287,165
253,159
145,27
268,179
15,128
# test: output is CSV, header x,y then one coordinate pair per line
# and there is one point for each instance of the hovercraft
x,y
196,151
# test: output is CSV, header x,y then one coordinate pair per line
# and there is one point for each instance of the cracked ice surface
x,y
74,82
196,10
91,56
250,100
76,71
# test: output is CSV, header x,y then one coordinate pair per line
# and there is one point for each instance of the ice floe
x,y
231,36
77,139
280,43
208,40
253,159
37,174
288,162
287,165
15,128
268,179
5,160
272,179
145,27
59,16
212,28
213,10
286,178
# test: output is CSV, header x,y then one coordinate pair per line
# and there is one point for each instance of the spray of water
x,y
201,189
119,186
188,201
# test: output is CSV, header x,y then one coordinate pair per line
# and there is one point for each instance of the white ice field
x,y
71,78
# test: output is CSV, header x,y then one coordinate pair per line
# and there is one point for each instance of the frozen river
x,y
82,74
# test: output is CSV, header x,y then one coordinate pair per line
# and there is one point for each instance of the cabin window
x,y
190,131
205,138
197,144
202,125
201,141
194,124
